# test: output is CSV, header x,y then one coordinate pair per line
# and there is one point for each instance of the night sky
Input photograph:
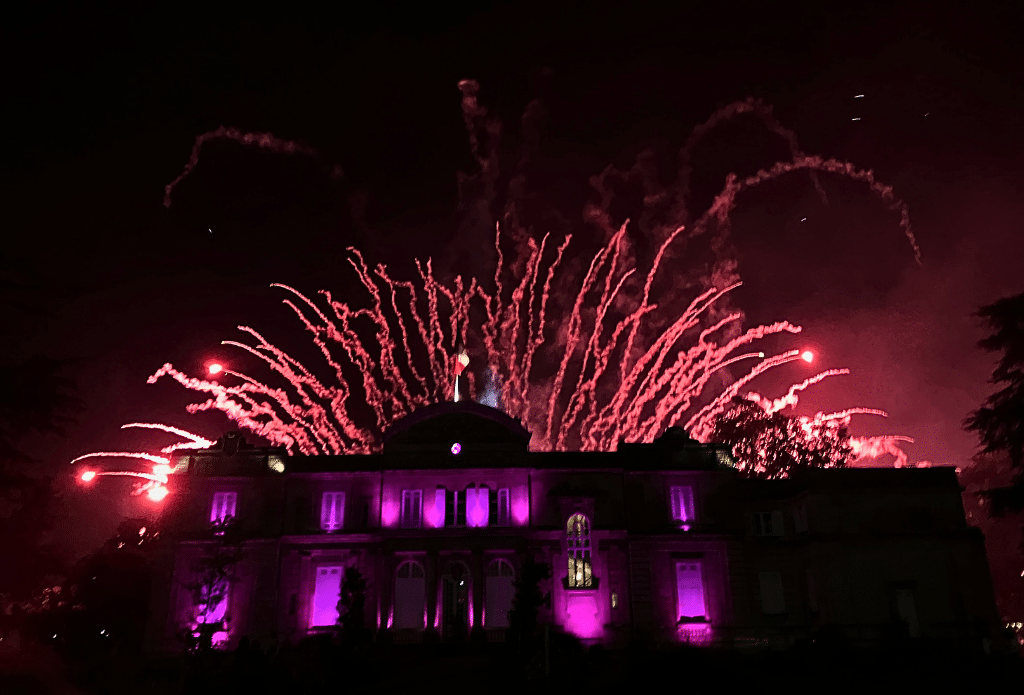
x,y
102,108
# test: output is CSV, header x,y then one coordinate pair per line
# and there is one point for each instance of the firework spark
x,y
584,363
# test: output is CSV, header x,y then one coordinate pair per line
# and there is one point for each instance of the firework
x,y
584,362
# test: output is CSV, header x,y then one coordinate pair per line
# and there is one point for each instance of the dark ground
x,y
321,667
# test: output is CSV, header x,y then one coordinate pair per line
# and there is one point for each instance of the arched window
x,y
409,596
581,574
500,590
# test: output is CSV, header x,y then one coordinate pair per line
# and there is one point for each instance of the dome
x,y
471,425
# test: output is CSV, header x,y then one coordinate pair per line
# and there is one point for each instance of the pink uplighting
x,y
520,506
582,617
389,512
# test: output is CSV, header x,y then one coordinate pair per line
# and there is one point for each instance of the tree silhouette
x,y
774,445
351,606
999,423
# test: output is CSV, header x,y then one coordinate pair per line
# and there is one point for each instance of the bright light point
x,y
760,354
858,96
463,359
456,448
807,356
855,119
88,476
161,469
157,493
216,368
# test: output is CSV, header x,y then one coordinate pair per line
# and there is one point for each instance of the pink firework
x,y
585,357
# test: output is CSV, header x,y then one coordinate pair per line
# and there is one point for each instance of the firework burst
x,y
585,358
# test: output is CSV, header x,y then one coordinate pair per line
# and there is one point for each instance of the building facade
x,y
659,542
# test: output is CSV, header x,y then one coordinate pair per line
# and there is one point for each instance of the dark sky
x,y
102,107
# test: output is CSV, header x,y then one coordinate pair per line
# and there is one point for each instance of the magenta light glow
x,y
433,514
520,506
478,507
390,511
582,615
456,448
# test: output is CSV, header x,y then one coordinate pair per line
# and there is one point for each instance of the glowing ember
x,y
87,476
157,493
215,368
807,356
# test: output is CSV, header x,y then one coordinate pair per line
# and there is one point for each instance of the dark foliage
x,y
214,572
352,607
999,423
773,445
527,601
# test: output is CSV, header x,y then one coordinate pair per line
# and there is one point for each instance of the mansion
x,y
657,543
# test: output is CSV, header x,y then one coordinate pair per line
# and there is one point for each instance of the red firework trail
x,y
265,141
622,369
605,389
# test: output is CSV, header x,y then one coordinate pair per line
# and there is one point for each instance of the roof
x,y
474,427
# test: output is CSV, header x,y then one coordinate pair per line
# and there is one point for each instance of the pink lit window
x,y
326,593
682,503
212,606
581,575
500,509
412,508
499,591
332,511
691,607
410,593
223,507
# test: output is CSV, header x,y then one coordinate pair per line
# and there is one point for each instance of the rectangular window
x,y
332,511
772,600
223,507
500,508
691,605
682,503
455,508
478,506
326,594
412,508
213,606
769,524
800,519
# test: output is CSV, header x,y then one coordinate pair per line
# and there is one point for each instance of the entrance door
x,y
455,587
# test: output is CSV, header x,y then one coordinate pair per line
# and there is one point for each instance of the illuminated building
x,y
659,542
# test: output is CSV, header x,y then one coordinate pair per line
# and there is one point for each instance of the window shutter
x,y
326,506
492,515
778,529
449,507
676,504
503,516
